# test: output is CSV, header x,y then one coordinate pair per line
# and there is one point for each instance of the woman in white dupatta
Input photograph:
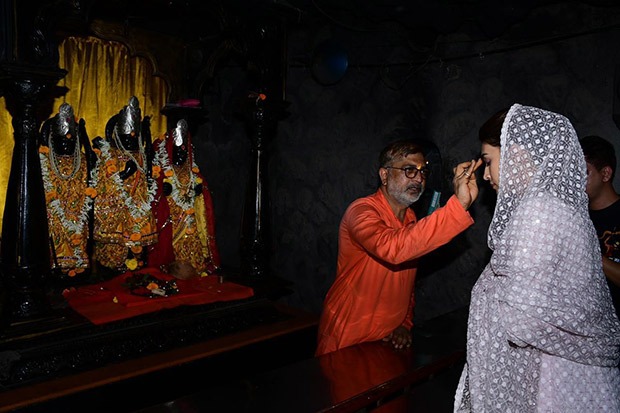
x,y
542,333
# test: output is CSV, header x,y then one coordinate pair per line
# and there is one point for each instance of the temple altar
x,y
64,338
65,357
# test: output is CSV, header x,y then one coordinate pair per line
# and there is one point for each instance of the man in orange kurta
x,y
380,240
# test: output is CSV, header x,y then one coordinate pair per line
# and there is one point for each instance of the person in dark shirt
x,y
604,205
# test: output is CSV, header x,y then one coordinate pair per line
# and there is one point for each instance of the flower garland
x,y
119,144
137,210
55,208
183,197
77,159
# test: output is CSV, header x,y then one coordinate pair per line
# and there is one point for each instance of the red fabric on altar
x,y
162,252
97,302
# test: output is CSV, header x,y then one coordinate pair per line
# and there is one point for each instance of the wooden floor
x,y
435,395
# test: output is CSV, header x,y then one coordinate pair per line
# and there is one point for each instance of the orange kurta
x,y
377,263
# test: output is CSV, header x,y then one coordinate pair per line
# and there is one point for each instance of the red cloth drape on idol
x,y
183,209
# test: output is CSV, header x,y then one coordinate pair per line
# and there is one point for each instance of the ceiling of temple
x,y
491,18
420,26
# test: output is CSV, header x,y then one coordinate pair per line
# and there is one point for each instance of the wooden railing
x,y
361,378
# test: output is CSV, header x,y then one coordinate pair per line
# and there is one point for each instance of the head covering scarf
x,y
540,156
541,328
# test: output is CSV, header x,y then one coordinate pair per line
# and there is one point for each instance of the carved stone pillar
x,y
24,253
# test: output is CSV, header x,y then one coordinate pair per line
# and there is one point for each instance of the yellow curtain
x,y
6,152
101,78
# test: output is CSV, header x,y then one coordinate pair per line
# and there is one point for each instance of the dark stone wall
x,y
325,153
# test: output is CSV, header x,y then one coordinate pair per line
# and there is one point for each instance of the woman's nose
x,y
486,175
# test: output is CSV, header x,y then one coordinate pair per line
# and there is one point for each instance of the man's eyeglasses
x,y
412,171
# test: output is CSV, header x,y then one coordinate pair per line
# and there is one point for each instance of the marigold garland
x,y
184,200
136,209
54,206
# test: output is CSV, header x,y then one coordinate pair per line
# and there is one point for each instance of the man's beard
x,y
411,194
